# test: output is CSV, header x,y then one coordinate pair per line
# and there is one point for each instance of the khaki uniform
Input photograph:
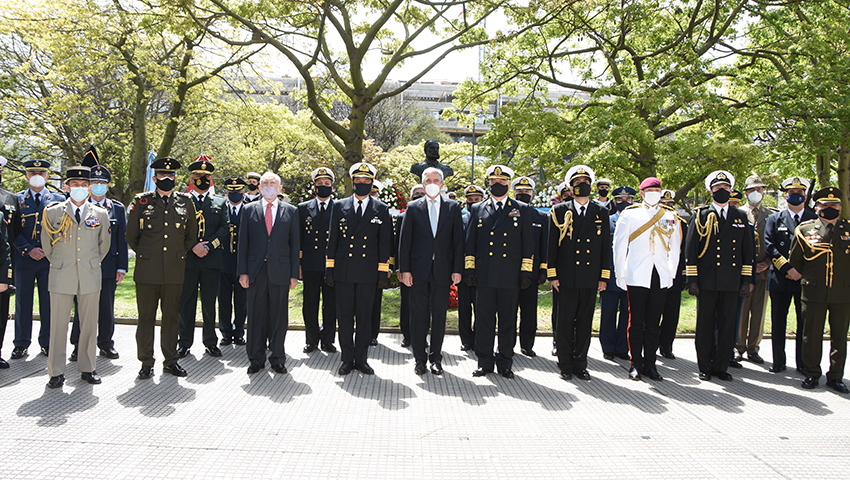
x,y
754,308
75,251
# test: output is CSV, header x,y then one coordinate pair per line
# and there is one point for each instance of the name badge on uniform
x,y
846,238
782,228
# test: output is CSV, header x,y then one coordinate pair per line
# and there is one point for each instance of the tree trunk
x,y
138,155
844,176
170,133
354,143
822,167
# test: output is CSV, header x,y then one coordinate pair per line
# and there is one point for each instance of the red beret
x,y
650,182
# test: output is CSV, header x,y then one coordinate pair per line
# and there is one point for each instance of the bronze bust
x,y
432,156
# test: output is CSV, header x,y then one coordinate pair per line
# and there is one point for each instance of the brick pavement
x,y
220,423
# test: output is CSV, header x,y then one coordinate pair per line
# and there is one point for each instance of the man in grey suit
x,y
267,265
75,236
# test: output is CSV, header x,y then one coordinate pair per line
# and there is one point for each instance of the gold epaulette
x,y
469,263
746,270
329,262
779,262
691,270
384,267
527,264
606,274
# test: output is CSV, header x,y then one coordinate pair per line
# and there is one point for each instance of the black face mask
x,y
498,190
582,189
362,189
622,205
234,197
795,199
165,184
252,187
721,196
828,213
323,191
202,184
417,196
469,205
524,197
603,192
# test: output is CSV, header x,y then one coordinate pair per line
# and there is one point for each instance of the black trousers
x,y
149,296
490,303
356,301
575,322
105,318
25,280
465,304
527,317
614,321
429,303
715,312
779,304
554,318
670,318
208,279
645,308
268,319
378,302
404,312
315,287
4,316
232,306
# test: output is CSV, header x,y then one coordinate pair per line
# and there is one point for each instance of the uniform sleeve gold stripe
x,y
216,243
606,274
300,253
543,266
779,262
747,270
691,270
329,263
391,261
527,264
384,267
469,263
551,272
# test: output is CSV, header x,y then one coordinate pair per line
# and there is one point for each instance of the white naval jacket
x,y
634,261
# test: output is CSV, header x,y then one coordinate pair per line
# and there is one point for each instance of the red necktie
x,y
269,218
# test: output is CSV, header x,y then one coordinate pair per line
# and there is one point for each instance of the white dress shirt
x,y
633,262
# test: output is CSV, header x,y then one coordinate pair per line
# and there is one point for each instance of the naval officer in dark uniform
x,y
12,221
205,261
232,297
315,218
466,294
161,229
673,301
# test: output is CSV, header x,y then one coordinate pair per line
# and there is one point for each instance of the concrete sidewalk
x,y
221,423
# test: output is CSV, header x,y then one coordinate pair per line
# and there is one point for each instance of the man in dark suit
x,y
268,263
377,306
315,218
718,264
205,261
466,294
113,266
358,255
784,284
430,258
673,301
31,266
579,267
12,220
232,298
417,192
499,263
523,188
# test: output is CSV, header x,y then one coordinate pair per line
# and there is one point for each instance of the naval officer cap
x,y
522,182
668,196
322,172
795,182
736,196
234,184
579,171
719,176
500,171
473,190
362,169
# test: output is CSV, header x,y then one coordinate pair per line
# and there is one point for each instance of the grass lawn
x,y
125,306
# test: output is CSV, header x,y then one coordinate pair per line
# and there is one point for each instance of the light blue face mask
x,y
78,194
99,190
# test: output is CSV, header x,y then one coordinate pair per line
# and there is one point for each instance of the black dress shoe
x,y
254,368
109,353
373,342
480,372
507,373
420,368
279,368
364,368
634,374
653,374
554,351
837,385
755,358
405,342
725,376
608,356
182,352
735,364
73,356
3,364
799,369
345,368
18,352
668,355
330,348
528,352
624,356
704,376
56,382
436,368
214,351
45,351
91,377
739,357
777,368
810,382
309,348
566,375
175,369
146,372
225,342
582,375
239,341
465,347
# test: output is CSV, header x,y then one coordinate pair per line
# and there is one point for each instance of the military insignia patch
x,y
181,210
514,213
92,222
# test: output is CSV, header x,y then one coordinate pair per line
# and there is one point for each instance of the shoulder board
x,y
773,209
116,202
807,222
144,194
637,205
53,203
669,209
183,194
701,207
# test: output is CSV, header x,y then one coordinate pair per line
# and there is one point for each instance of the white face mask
x,y
78,194
651,198
269,192
432,190
37,181
755,197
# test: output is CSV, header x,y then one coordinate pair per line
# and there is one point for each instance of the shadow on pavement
x,y
389,394
279,388
156,399
55,406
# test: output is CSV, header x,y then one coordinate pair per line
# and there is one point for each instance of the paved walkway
x,y
220,423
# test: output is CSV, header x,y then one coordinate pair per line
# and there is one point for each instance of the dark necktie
x,y
198,202
796,219
77,215
498,206
581,212
165,199
359,208
322,210
37,199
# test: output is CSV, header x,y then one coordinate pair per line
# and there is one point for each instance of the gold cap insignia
x,y
721,176
498,171
37,163
581,171
204,166
364,168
